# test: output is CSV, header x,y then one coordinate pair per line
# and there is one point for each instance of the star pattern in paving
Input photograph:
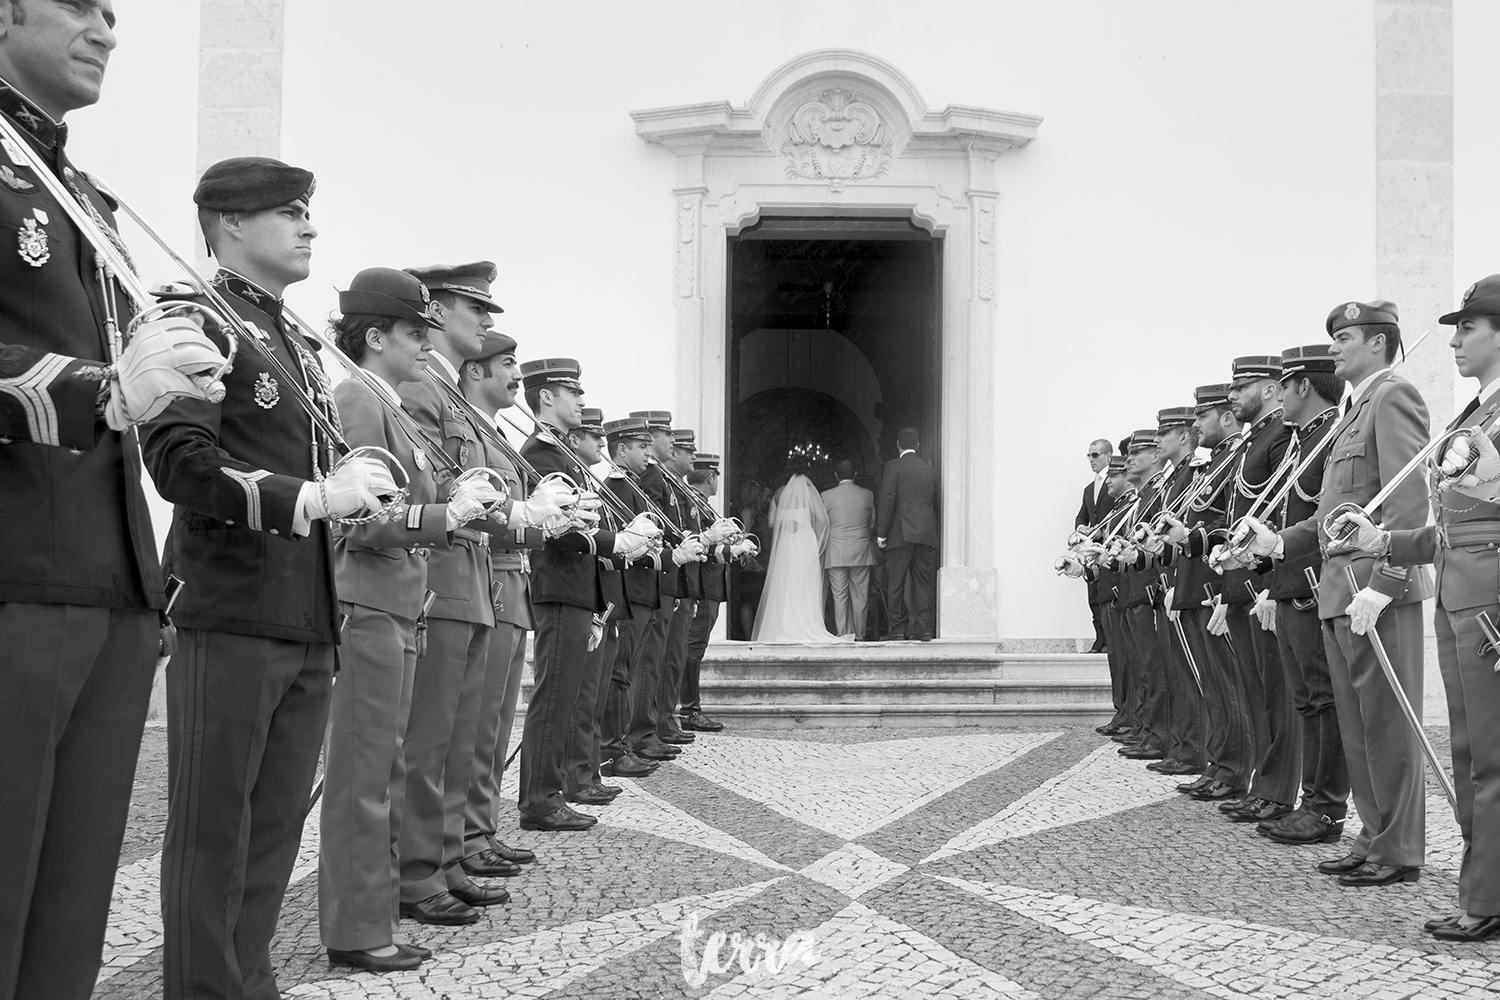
x,y
864,864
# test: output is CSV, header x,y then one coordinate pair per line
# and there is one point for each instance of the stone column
x,y
239,80
1414,183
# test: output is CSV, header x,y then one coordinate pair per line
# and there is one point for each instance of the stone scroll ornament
x,y
836,138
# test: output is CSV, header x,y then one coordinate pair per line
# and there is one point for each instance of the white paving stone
x,y
864,954
637,809
1100,784
853,870
1235,958
135,930
852,789
538,964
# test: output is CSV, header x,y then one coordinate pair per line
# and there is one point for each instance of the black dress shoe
x,y
1303,827
611,790
657,751
701,723
1433,925
1264,811
479,895
893,637
1370,873
398,962
676,739
1217,791
488,864
1173,766
515,855
589,797
559,819
628,766
443,908
1189,787
923,637
1343,865
1143,752
1485,929
1235,805
423,953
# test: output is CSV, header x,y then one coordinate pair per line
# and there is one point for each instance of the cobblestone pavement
x,y
874,863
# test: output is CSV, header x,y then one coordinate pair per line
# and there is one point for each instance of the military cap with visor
x,y
592,420
1175,416
658,420
1116,464
627,429
1253,367
552,371
252,184
1143,439
1206,397
1360,314
1481,299
706,461
684,438
385,291
470,280
1309,359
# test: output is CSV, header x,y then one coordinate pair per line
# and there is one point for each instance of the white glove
x,y
548,506
1481,481
1172,615
744,547
690,550
1365,610
631,545
1069,566
1262,540
1218,622
1126,554
1177,532
165,360
596,633
1265,610
1362,534
1149,541
721,531
1220,559
353,488
470,499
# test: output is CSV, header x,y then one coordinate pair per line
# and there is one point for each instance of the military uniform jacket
x,y
665,498
383,564
234,472
1464,543
1138,580
459,576
566,570
1287,580
1106,575
1378,436
690,575
1201,517
642,579
76,529
1266,443
508,549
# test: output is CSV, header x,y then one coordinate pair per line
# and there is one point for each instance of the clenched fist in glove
x,y
550,506
166,359
471,498
1364,610
353,488
744,547
1353,530
1218,621
637,537
1176,532
721,530
689,550
1264,610
1482,482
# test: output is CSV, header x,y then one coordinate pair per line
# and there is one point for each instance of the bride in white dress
x,y
791,605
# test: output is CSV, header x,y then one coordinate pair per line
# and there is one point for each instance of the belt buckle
x,y
1443,541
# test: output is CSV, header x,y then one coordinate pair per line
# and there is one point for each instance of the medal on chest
x,y
35,248
419,458
267,392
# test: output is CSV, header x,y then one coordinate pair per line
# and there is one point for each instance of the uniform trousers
x,y
504,664
705,615
1384,755
910,581
1249,651
1226,743
439,754
614,726
364,781
1147,695
1118,655
75,682
1279,772
645,675
850,586
674,662
1473,689
246,716
1325,776
1184,700
583,752
562,653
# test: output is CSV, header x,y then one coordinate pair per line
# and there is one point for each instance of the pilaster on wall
x,y
239,80
1414,183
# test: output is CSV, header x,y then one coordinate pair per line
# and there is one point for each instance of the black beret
x,y
495,344
385,291
252,184
1360,314
1482,299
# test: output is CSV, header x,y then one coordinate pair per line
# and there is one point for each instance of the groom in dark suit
x,y
1095,503
907,529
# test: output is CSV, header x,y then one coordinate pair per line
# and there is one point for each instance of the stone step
x,y
1040,667
903,691
1037,716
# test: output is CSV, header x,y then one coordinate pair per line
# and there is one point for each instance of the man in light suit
x,y
1095,501
907,528
849,553
1385,427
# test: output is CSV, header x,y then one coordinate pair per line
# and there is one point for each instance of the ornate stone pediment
x,y
836,137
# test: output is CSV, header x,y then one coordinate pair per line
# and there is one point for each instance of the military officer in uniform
x,y
1463,544
1385,427
689,590
1106,579
252,481
80,582
1147,739
714,574
381,571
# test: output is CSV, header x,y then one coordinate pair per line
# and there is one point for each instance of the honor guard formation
x,y
352,571
1258,562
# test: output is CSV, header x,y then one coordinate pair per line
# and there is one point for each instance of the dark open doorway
x,y
834,345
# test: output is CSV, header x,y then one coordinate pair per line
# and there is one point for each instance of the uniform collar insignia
x,y
242,287
51,134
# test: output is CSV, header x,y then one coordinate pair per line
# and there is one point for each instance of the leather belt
x,y
472,535
509,561
1450,536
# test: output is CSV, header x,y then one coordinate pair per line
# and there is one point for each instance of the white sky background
x,y
1202,187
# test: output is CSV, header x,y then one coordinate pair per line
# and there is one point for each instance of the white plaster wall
x,y
1202,186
